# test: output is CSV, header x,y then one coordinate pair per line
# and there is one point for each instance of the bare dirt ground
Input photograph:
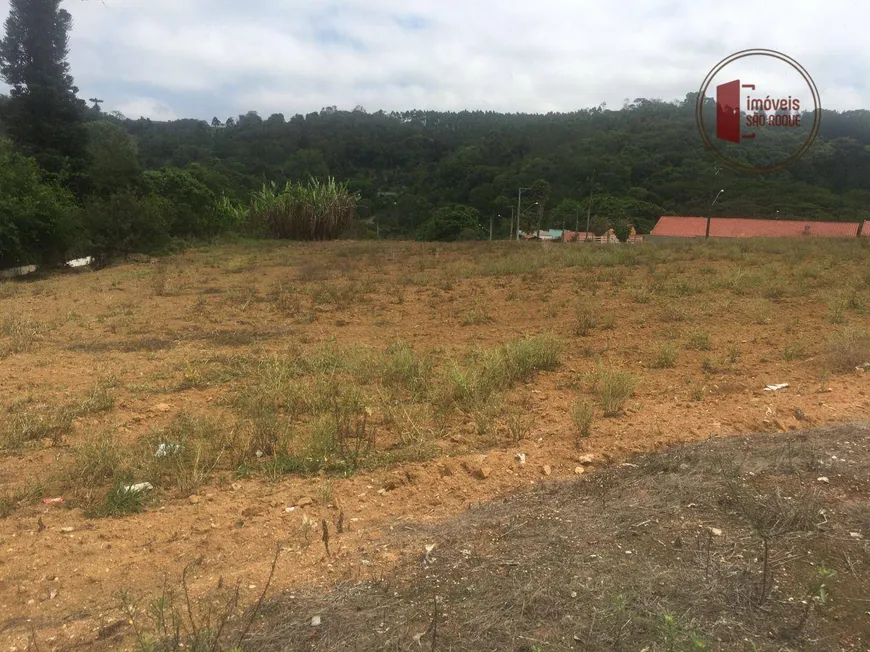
x,y
678,563
262,388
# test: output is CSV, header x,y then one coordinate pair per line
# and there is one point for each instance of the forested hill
x,y
646,158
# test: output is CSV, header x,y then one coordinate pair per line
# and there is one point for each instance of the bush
x,y
452,223
192,209
125,223
39,222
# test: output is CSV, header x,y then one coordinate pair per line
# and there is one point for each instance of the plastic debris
x,y
139,486
165,449
775,388
315,621
51,501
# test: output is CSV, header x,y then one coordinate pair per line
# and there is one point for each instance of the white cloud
x,y
145,107
207,57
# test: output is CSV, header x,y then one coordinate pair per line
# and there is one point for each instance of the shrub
x,y
126,223
191,208
39,221
452,223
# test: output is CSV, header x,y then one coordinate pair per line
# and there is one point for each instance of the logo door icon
x,y
728,111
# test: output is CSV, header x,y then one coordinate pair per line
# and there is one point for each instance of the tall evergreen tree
x,y
45,118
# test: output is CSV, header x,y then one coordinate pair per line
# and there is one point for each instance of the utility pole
x,y
520,209
707,235
715,174
589,208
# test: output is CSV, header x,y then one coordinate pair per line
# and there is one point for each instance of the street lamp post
x,y
589,206
519,209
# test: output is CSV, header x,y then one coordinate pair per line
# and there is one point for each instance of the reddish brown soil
x,y
63,585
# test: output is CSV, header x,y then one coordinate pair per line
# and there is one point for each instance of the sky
x,y
168,59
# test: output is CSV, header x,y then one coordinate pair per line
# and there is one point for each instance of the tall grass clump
x,y
613,388
847,349
320,210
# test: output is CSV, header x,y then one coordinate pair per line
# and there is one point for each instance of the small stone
x,y
579,470
585,460
194,500
546,470
235,486
573,594
315,621
66,530
483,473
521,458
305,501
716,532
856,535
161,407
823,479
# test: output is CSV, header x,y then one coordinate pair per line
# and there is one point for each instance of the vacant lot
x,y
260,389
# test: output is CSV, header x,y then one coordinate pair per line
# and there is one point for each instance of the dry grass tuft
x,y
847,349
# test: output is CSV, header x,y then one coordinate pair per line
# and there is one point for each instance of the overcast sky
x,y
167,59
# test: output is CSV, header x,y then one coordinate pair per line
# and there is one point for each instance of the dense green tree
x,y
44,117
126,223
452,223
39,221
191,208
569,214
622,229
113,157
541,192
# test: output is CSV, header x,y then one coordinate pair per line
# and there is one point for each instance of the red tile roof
x,y
866,229
740,227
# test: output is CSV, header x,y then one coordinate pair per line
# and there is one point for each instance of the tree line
x,y
75,178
